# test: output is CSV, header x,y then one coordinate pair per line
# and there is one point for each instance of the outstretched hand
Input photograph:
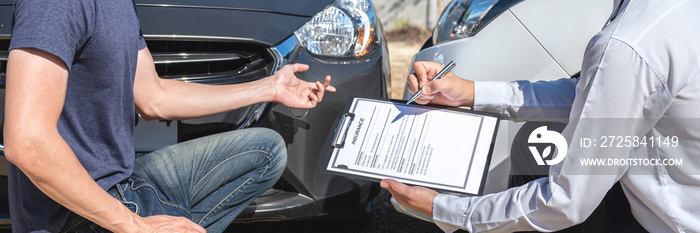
x,y
414,197
450,90
295,93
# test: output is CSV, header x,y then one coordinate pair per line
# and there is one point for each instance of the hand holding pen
x,y
442,89
442,72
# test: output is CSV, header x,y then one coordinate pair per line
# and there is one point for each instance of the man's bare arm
x,y
169,99
35,92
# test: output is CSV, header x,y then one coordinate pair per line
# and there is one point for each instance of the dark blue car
x,y
233,41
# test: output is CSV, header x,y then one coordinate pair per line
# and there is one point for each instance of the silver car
x,y
507,40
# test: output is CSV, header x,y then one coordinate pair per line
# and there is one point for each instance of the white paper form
x,y
440,148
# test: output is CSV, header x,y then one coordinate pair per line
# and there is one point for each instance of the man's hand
x,y
295,93
164,223
415,197
449,90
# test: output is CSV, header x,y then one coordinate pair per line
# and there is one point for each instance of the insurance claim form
x,y
445,149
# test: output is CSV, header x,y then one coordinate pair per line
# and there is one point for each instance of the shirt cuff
x,y
490,96
449,212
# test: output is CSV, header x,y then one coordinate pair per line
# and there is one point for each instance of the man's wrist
x,y
134,224
468,100
125,220
266,89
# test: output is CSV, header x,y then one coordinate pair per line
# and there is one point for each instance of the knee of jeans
x,y
279,158
277,148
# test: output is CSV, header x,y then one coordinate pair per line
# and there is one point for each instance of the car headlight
x,y
346,28
464,18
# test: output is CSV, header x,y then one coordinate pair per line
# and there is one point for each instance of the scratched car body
x,y
224,42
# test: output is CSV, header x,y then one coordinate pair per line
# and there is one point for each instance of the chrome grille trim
x,y
207,59
165,58
217,8
200,38
282,51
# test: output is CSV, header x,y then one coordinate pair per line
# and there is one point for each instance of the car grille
x,y
210,62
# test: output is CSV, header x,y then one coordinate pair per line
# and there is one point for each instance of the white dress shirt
x,y
640,78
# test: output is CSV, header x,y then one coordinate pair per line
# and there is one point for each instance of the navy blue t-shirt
x,y
99,42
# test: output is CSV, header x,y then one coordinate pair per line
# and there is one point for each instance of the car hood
x,y
266,22
297,7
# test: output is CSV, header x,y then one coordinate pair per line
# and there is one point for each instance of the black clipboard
x,y
374,157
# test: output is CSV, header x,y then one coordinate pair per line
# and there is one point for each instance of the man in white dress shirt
x,y
639,89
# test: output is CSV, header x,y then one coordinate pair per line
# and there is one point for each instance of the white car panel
x,y
496,53
573,22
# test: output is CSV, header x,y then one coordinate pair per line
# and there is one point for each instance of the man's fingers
x,y
416,198
319,93
393,186
426,97
327,84
398,191
412,83
309,104
313,97
431,88
426,71
299,67
317,96
438,86
419,70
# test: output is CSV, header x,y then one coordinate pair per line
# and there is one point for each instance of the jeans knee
x,y
279,157
277,150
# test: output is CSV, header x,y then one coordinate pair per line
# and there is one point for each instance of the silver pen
x,y
442,72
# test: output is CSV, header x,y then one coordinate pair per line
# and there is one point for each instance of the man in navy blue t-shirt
x,y
77,72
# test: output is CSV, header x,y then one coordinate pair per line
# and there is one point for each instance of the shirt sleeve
x,y
618,95
57,27
525,100
142,42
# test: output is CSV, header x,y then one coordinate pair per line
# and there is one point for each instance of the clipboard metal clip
x,y
342,131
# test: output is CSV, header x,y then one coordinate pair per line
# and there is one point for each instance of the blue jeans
x,y
209,180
